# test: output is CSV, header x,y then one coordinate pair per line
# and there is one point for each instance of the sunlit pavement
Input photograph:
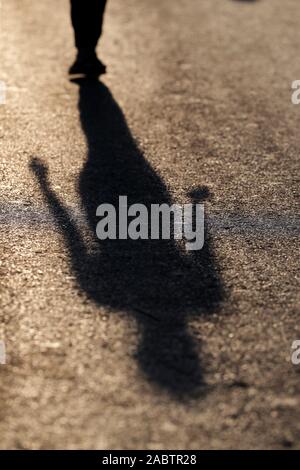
x,y
103,351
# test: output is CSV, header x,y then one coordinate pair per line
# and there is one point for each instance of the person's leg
x,y
87,19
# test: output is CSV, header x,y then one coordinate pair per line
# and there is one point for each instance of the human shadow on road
x,y
152,280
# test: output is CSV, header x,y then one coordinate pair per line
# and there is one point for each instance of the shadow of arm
x,y
60,213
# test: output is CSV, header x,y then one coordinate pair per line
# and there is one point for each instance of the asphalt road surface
x,y
135,345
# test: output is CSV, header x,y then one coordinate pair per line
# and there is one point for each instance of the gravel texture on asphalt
x,y
132,345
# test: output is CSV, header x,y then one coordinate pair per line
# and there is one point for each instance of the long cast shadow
x,y
153,280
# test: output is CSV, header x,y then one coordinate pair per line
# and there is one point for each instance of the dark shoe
x,y
87,63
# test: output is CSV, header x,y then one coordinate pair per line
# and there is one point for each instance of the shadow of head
x,y
155,281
